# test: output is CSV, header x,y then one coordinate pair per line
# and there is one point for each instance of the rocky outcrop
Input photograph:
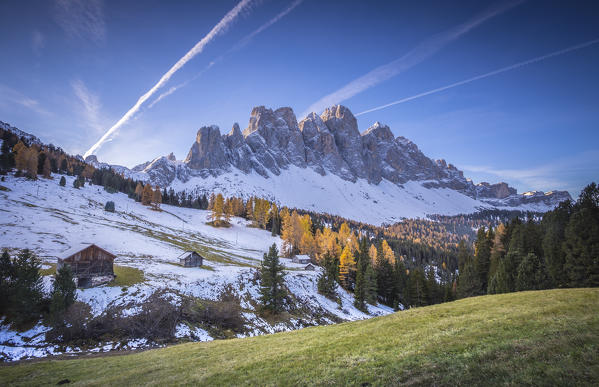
x,y
321,149
275,139
209,151
495,191
344,127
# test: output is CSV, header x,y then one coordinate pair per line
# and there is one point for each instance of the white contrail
x,y
495,72
236,47
221,27
172,89
269,23
421,52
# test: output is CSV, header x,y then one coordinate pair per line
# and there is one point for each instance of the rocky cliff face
x,y
329,144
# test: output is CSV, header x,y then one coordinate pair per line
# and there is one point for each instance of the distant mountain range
x,y
323,163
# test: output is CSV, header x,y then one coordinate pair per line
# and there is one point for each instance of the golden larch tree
x,y
388,254
372,254
147,195
157,198
139,189
347,264
344,234
47,171
218,209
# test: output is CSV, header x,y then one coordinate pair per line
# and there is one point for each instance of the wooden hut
x,y
190,259
303,259
310,267
91,265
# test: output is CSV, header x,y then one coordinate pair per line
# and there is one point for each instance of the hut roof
x,y
188,252
79,247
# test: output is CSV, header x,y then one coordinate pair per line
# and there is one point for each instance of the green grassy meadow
x,y
529,338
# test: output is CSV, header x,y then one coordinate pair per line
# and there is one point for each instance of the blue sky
x,y
72,68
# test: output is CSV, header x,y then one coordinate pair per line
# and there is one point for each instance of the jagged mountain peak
x,y
327,144
276,156
380,131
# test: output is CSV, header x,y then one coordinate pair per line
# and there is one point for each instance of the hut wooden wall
x,y
91,261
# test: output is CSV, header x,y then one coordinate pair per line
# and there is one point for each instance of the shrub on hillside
x,y
156,322
224,313
109,206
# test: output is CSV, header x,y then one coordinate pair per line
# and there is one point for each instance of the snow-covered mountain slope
x,y
324,163
29,137
49,219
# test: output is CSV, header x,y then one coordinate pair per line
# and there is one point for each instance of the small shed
x,y
91,265
303,259
191,259
310,267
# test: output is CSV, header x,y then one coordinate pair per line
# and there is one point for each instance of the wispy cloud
x,y
38,42
81,19
222,26
90,103
242,43
486,75
570,173
14,97
421,52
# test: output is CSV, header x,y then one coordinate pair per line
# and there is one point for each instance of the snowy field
x,y
374,204
50,219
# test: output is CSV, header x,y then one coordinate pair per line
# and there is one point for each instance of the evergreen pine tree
x,y
272,282
26,290
469,280
554,224
432,287
417,284
63,292
504,280
6,276
359,290
531,274
384,276
370,289
276,221
327,280
401,288
498,250
483,247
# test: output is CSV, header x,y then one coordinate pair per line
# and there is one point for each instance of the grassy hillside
x,y
543,337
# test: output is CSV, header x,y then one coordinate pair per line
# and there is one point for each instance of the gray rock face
x,y
321,149
162,171
495,191
328,144
209,151
344,127
275,138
